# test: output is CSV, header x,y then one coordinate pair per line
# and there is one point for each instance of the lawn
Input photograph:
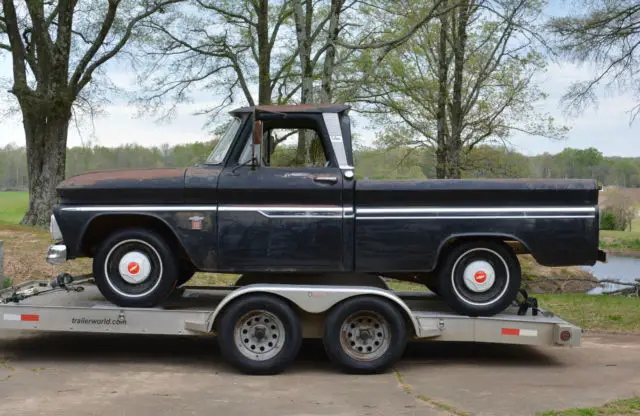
x,y
622,242
618,407
595,312
13,205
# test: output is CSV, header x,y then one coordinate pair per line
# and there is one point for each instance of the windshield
x,y
217,156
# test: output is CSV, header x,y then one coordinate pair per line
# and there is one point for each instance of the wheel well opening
x,y
517,246
101,227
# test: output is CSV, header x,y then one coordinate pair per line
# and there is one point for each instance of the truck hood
x,y
130,186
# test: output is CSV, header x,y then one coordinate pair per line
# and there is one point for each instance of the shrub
x,y
607,220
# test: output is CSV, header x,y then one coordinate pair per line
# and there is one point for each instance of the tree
x,y
464,81
605,33
222,46
621,207
57,48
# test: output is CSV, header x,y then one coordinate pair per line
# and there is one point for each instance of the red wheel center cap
x,y
133,267
480,277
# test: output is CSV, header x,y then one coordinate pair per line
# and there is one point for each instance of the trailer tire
x,y
135,267
365,335
480,278
259,334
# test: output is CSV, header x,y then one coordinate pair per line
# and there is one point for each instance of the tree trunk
x,y
304,19
457,116
441,114
264,52
46,136
330,54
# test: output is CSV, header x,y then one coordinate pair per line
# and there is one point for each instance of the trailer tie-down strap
x,y
63,281
526,303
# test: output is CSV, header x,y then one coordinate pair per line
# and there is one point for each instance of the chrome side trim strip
x,y
269,208
302,212
142,208
479,217
429,210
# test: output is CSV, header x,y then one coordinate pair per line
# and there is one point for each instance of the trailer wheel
x,y
480,278
365,335
259,334
135,268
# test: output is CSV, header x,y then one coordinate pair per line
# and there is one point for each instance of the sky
x,y
606,127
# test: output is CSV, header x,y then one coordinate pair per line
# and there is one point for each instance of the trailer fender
x,y
313,299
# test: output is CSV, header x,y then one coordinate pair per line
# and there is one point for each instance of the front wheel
x,y
480,278
135,268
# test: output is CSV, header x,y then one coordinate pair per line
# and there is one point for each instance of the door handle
x,y
326,179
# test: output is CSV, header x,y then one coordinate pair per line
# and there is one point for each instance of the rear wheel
x,y
364,335
259,334
135,268
480,278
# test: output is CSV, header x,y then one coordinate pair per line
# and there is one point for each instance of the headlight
x,y
54,229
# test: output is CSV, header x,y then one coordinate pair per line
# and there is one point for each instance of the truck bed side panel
x,y
402,225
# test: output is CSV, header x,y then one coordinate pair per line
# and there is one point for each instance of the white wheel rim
x,y
479,276
108,278
467,301
134,267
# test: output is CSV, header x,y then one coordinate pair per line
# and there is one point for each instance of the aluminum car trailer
x,y
260,326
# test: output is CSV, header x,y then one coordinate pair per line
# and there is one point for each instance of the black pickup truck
x,y
254,209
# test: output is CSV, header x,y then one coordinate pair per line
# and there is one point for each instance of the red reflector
x,y
30,318
510,331
565,335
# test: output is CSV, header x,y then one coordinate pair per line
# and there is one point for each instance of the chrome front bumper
x,y
57,254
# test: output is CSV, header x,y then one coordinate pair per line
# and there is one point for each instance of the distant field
x,y
622,241
13,205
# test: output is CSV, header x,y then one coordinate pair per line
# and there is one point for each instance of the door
x,y
281,216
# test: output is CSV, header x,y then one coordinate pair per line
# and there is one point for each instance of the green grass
x,y
595,312
13,205
618,407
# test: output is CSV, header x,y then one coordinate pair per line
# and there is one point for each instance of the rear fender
x,y
456,238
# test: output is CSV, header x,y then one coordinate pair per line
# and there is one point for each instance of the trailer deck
x,y
193,311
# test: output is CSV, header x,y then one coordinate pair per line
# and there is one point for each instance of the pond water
x,y
617,267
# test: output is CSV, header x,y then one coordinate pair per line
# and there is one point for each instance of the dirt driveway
x,y
76,374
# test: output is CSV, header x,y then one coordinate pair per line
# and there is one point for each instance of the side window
x,y
282,149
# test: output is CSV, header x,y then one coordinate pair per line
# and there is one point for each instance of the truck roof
x,y
297,108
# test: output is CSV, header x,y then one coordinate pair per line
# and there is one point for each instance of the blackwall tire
x,y
135,268
259,334
480,278
186,273
431,282
365,335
